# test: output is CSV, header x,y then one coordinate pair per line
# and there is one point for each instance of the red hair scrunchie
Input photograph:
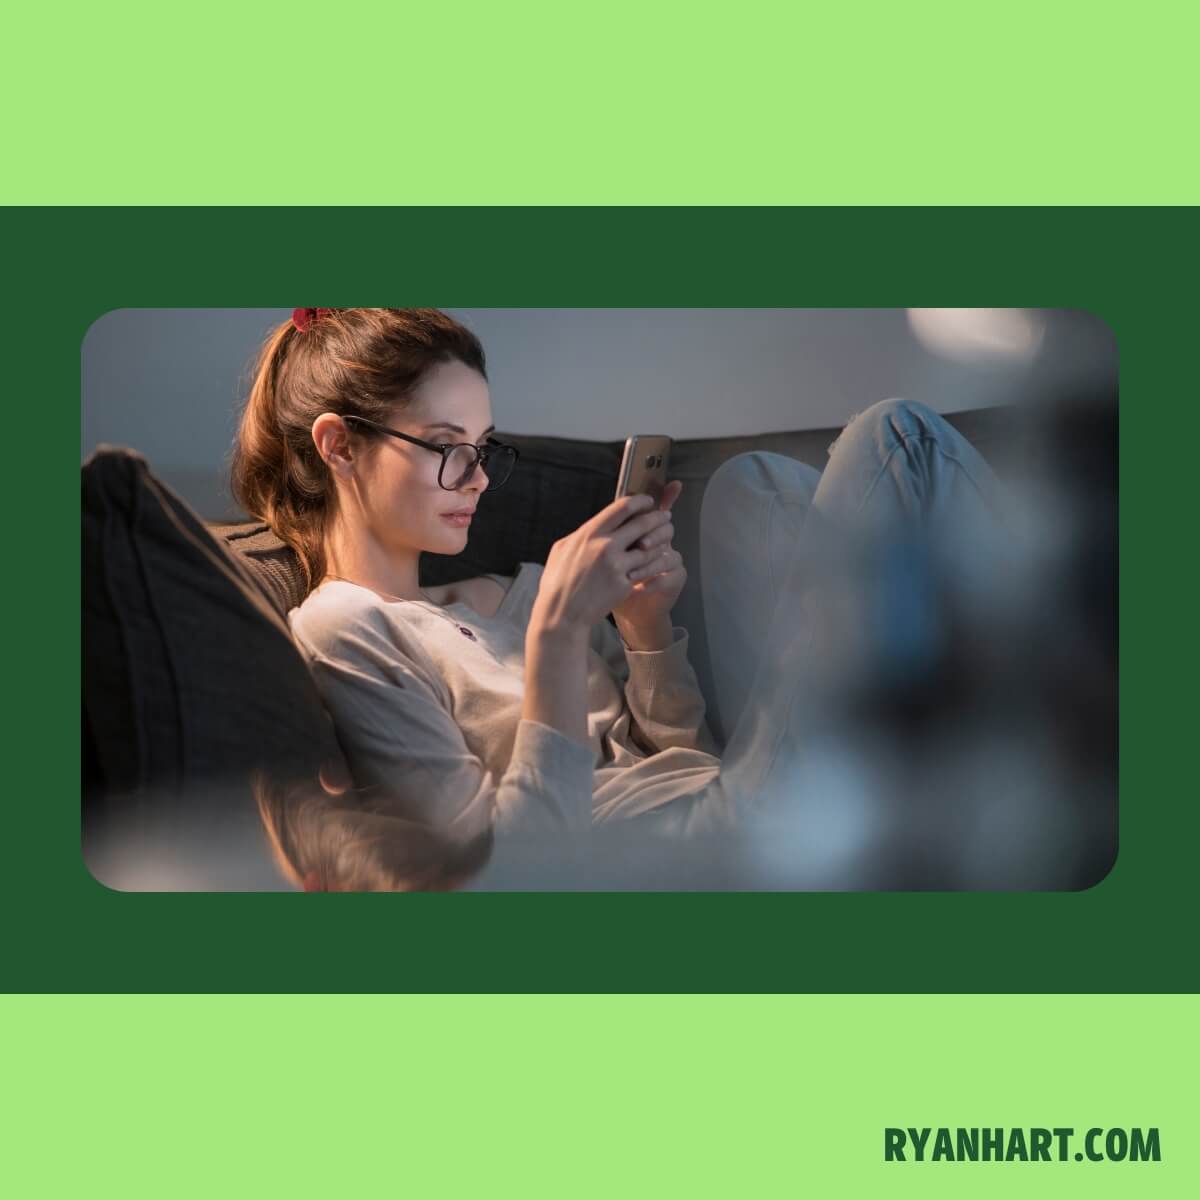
x,y
302,318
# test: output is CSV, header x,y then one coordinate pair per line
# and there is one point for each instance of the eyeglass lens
x,y
460,462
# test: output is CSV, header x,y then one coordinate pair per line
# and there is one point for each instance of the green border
x,y
1132,268
641,1097
537,103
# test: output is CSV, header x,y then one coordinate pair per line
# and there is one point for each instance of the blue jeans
x,y
777,543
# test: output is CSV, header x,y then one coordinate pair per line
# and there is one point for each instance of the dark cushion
x,y
189,672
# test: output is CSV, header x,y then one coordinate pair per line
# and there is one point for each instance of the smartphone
x,y
644,466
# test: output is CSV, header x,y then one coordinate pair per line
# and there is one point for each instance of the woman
x,y
512,704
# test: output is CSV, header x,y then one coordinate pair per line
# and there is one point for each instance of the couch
x,y
190,680
560,482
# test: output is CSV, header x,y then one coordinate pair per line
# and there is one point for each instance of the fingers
x,y
640,560
661,562
661,536
667,581
666,531
613,515
624,536
660,583
619,511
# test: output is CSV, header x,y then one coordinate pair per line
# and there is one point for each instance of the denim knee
x,y
759,472
747,469
891,420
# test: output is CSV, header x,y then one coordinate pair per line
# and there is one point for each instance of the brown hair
x,y
356,841
361,361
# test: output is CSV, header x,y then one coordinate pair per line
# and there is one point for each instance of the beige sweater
x,y
433,717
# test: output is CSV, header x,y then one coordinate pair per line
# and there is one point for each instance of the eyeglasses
x,y
459,459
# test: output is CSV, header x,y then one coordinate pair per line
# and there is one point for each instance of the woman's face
x,y
404,504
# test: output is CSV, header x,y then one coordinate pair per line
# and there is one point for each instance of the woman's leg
x,y
750,519
895,469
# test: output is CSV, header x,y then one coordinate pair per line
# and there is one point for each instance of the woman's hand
x,y
643,618
587,573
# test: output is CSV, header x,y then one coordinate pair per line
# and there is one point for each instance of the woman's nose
x,y
478,479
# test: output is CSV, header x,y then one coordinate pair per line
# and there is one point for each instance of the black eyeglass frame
x,y
445,449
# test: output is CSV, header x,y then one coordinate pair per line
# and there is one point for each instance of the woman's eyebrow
x,y
454,428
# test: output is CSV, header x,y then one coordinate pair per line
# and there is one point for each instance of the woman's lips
x,y
457,518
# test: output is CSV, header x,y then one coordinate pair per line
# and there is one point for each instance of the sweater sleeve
x,y
409,756
661,689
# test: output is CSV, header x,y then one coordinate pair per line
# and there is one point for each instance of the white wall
x,y
169,382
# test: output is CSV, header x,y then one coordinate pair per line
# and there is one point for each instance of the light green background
x,y
574,1097
623,103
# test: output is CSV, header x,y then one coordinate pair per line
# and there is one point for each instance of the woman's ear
x,y
332,440
335,777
